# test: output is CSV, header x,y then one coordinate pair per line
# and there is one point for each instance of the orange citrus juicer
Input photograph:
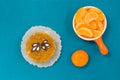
x,y
89,23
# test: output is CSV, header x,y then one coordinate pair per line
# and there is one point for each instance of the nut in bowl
x,y
89,23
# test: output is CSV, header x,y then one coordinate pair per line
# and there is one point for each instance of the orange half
x,y
80,58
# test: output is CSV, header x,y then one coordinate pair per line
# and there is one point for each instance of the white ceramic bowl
x,y
91,39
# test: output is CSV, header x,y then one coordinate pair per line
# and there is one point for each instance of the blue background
x,y
17,16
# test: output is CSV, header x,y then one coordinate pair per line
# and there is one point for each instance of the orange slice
x,y
80,58
78,25
101,16
96,33
92,25
94,10
100,25
99,12
79,15
90,17
85,32
81,26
